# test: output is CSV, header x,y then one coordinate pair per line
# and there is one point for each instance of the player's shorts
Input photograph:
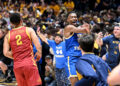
x,y
27,76
71,61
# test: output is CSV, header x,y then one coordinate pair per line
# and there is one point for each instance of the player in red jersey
x,y
19,40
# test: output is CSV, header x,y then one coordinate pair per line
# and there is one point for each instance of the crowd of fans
x,y
49,16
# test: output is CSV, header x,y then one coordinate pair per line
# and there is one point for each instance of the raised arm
x,y
72,29
99,39
6,48
80,29
42,37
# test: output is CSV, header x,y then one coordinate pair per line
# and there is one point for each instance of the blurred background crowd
x,y
47,13
50,17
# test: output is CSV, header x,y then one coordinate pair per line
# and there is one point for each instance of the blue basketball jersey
x,y
72,46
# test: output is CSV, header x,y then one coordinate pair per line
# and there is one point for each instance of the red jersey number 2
x,y
19,42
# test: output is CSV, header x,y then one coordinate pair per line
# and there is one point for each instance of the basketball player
x,y
72,47
19,40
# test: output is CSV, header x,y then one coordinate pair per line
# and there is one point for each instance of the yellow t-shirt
x,y
22,5
42,9
96,45
98,1
69,5
56,9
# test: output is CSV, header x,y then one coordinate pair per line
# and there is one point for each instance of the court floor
x,y
7,84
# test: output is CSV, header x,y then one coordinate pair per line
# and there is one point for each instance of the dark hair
x,y
86,42
96,29
59,35
109,29
68,15
15,18
3,24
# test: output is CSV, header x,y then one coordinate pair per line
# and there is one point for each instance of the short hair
x,y
96,29
86,42
15,18
59,35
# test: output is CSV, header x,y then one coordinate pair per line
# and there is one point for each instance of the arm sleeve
x,y
106,40
50,42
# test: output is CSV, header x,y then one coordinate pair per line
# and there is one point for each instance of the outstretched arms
x,y
85,28
99,39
